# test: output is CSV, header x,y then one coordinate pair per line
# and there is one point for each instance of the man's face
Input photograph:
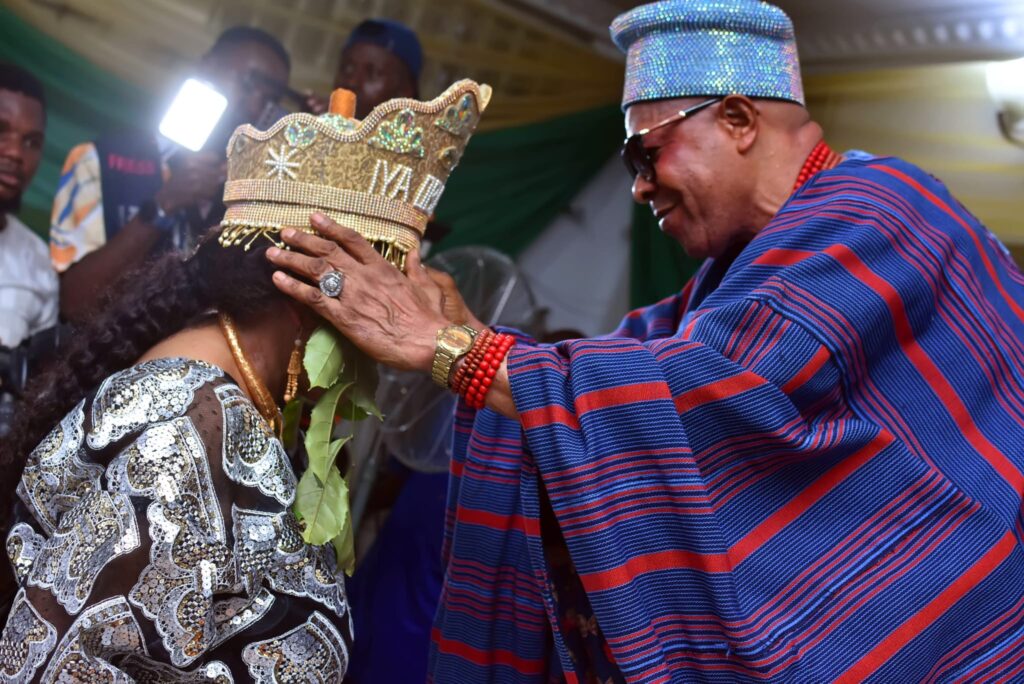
x,y
250,75
374,74
22,121
700,191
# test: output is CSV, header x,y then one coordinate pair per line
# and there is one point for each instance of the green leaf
x,y
322,505
321,425
323,359
345,548
350,411
292,416
361,371
335,448
363,400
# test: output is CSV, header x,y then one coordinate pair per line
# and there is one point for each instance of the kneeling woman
x,y
164,494
153,536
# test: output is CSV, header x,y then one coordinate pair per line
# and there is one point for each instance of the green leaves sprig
x,y
350,380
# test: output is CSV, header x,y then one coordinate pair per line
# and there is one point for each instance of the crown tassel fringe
x,y
246,234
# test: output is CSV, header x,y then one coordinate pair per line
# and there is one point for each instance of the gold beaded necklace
x,y
257,390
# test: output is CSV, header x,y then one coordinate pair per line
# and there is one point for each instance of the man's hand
x,y
195,177
453,306
393,318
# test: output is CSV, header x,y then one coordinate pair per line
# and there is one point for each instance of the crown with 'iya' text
x,y
381,176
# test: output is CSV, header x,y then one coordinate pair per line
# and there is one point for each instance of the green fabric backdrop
x,y
82,101
658,266
508,188
512,183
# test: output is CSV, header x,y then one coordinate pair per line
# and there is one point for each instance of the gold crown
x,y
381,176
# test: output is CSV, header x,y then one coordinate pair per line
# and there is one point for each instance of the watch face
x,y
456,338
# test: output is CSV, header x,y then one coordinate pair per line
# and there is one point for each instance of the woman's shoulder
x,y
149,392
192,402
72,457
195,490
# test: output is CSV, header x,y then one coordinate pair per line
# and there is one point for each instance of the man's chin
x,y
675,230
10,204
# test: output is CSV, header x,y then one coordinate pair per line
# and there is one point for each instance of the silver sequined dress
x,y
154,542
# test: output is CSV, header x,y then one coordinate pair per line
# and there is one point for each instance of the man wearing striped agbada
x,y
808,466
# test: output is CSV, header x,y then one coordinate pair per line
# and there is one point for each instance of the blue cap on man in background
x,y
382,59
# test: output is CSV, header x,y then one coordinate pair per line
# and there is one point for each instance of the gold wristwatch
x,y
453,343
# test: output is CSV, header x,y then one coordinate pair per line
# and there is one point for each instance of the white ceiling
x,y
864,33
849,34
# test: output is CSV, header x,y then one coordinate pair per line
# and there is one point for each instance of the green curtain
x,y
658,266
512,183
82,102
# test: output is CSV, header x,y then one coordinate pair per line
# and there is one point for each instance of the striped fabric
x,y
76,223
811,472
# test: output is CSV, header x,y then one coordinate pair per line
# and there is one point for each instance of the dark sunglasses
x,y
634,154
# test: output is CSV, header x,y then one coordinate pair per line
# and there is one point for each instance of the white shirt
x,y
28,284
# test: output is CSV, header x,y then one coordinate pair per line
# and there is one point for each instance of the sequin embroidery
x,y
26,641
189,557
400,135
299,135
147,671
187,566
237,614
104,631
703,48
312,651
269,546
458,119
252,455
336,121
101,528
23,545
55,476
147,393
167,461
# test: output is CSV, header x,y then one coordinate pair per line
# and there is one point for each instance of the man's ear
x,y
741,119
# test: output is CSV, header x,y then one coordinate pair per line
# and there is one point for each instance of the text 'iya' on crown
x,y
382,176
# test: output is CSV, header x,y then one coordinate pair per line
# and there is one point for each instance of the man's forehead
x,y
249,56
14,105
369,53
643,115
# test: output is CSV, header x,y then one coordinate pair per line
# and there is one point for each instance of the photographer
x,y
119,203
28,286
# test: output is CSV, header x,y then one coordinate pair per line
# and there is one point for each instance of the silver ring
x,y
331,283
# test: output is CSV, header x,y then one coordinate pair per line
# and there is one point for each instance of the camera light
x,y
193,114
1005,82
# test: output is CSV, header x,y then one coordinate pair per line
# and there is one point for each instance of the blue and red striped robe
x,y
807,469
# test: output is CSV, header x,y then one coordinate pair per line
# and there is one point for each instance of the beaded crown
x,y
381,176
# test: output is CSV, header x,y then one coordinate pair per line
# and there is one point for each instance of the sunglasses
x,y
636,157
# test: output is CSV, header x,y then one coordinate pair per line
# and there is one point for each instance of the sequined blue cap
x,y
698,48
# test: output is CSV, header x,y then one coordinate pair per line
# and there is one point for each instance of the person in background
x,y
118,202
382,59
28,286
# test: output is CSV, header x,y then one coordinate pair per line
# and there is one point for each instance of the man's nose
x,y
352,80
11,147
643,189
